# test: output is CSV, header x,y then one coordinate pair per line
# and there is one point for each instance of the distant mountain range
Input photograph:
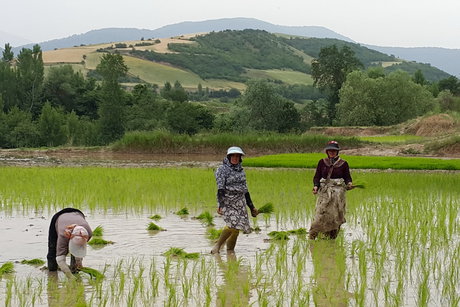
x,y
447,60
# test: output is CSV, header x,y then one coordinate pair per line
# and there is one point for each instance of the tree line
x,y
67,108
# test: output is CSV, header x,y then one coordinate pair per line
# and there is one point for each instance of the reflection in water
x,y
236,286
328,257
70,292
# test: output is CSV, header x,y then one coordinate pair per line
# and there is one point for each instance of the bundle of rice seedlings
x,y
98,231
6,268
180,253
300,231
153,226
99,241
267,208
155,217
279,235
213,234
34,261
92,272
183,211
206,218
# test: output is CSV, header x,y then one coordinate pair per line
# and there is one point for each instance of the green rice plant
x,y
393,139
267,208
98,231
361,162
99,241
155,217
6,268
206,218
299,231
178,252
183,211
279,235
34,261
152,226
213,234
93,273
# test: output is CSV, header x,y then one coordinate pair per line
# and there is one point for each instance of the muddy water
x,y
101,157
25,237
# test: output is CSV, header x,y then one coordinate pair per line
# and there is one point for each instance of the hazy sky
x,y
404,23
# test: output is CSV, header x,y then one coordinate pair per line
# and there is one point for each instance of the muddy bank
x,y
75,157
104,157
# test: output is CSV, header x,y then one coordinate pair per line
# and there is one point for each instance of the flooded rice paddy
x,y
399,247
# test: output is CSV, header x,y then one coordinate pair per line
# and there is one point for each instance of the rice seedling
x,y
213,234
206,218
93,273
267,208
6,268
279,235
153,227
99,242
183,211
178,252
155,217
299,231
98,231
34,261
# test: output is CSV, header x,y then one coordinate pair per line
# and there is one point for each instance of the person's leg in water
x,y
231,241
333,233
226,233
312,234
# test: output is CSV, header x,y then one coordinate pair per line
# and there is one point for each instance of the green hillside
x,y
237,55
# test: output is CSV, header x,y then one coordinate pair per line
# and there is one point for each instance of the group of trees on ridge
x,y
67,108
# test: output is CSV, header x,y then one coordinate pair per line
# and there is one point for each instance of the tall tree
x,y
51,126
268,110
111,111
452,84
365,101
30,72
329,72
62,86
8,80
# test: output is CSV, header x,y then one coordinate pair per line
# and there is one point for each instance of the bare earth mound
x,y
436,125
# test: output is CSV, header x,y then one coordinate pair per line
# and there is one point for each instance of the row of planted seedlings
x,y
409,246
400,245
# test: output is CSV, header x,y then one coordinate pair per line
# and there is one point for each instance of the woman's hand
x,y
219,211
315,190
254,212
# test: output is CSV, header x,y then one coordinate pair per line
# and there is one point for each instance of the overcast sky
x,y
403,23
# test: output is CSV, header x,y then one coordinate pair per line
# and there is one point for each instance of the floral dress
x,y
232,179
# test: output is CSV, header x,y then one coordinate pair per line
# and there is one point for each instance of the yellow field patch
x,y
388,64
287,76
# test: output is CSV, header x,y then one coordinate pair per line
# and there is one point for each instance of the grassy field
x,y
287,76
163,141
357,162
157,73
399,247
393,139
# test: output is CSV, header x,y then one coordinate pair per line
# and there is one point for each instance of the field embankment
x,y
254,144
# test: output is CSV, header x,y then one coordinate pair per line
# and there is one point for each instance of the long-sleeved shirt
x,y
341,170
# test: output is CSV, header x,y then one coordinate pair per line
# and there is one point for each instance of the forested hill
x,y
227,54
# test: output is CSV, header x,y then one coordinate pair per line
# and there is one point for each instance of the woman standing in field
x,y
232,197
331,180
